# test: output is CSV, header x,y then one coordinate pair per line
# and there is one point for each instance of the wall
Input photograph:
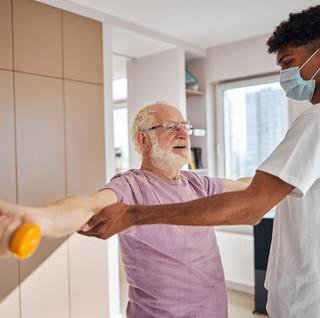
x,y
158,77
52,135
239,59
196,107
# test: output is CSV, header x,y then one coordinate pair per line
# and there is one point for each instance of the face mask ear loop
x,y
315,74
309,59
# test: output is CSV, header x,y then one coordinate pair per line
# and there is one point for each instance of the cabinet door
x,y
41,178
40,139
9,278
5,35
82,48
44,287
86,174
7,138
37,38
84,137
88,277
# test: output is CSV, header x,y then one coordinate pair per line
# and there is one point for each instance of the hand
x,y
8,226
10,220
111,220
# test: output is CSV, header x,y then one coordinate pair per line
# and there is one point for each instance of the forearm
x,y
64,216
221,209
69,214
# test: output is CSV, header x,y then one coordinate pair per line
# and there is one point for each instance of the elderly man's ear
x,y
144,142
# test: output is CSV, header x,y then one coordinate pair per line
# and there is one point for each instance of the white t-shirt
x,y
293,275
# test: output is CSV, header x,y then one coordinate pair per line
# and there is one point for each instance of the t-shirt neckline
x,y
162,179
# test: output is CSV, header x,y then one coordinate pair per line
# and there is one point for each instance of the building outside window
x,y
255,120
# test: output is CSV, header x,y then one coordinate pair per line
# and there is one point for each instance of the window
x,y
119,89
120,124
121,142
254,121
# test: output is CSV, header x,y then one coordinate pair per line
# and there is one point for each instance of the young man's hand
x,y
111,220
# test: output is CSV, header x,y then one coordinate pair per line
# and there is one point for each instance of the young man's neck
x,y
316,99
164,172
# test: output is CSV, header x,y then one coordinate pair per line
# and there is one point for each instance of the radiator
x,y
237,253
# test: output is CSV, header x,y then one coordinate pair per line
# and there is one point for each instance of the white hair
x,y
142,121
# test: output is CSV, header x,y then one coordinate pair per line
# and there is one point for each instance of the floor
x,y
240,305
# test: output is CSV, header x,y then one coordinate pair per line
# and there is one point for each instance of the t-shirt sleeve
x,y
121,187
297,158
212,185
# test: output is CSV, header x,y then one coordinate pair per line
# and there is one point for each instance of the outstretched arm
x,y
238,207
59,218
235,185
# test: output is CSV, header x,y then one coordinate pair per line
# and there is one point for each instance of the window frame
x,y
219,121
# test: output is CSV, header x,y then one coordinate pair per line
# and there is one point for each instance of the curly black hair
x,y
300,29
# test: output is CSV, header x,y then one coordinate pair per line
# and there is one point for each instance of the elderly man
x,y
293,276
172,271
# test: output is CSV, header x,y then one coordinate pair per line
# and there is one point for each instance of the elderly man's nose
x,y
182,133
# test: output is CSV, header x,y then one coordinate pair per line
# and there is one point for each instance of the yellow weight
x,y
25,240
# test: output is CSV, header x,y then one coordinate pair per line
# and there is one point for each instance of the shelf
x,y
191,93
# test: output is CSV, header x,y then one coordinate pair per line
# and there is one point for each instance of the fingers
x,y
103,216
109,221
101,230
93,222
4,222
8,225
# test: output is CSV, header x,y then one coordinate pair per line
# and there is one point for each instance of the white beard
x,y
166,158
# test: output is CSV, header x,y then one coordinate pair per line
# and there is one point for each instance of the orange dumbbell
x,y
25,240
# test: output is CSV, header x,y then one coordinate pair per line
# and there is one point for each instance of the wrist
x,y
132,215
141,214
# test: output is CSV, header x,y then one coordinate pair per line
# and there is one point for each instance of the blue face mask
x,y
295,86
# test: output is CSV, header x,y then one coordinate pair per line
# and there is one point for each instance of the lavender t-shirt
x,y
172,271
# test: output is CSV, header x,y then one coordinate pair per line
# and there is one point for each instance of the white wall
x,y
240,59
158,77
196,107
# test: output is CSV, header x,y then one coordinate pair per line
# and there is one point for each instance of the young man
x,y
293,276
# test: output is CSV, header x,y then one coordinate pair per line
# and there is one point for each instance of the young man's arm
x,y
239,207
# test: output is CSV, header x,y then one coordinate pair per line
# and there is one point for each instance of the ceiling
x,y
204,23
132,44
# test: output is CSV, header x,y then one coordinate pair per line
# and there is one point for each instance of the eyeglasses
x,y
173,127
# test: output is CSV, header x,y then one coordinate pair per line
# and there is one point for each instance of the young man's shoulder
x,y
311,114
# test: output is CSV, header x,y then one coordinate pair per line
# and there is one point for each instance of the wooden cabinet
x,y
82,49
9,275
40,138
84,137
6,35
88,280
7,138
44,288
51,145
37,38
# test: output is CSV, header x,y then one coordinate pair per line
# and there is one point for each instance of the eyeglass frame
x,y
176,128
